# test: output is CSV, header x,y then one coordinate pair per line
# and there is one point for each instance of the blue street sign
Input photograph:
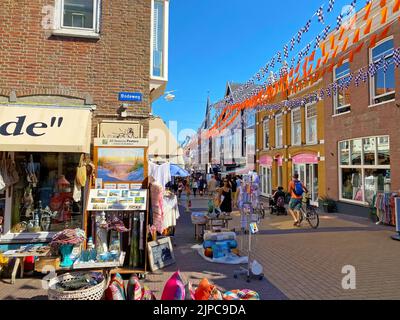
x,y
130,96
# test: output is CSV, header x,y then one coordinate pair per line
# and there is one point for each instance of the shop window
x,y
296,127
279,131
311,124
341,100
42,201
364,168
383,83
266,134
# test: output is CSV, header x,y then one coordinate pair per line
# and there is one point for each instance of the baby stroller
x,y
278,207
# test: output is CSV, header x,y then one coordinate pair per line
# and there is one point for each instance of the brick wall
x,y
33,62
362,121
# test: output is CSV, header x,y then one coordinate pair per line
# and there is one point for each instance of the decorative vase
x,y
66,251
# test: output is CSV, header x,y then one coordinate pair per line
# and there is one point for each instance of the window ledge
x,y
381,103
311,144
340,114
89,34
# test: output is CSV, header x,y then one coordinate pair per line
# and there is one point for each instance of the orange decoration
x,y
358,49
372,41
332,41
312,56
351,56
383,3
384,33
318,63
342,30
367,11
396,6
326,58
368,27
291,72
356,36
335,52
297,68
384,13
345,43
340,62
310,70
323,48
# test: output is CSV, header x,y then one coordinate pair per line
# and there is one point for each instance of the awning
x,y
45,129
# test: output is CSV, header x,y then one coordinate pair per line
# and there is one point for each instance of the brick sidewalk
x,y
298,263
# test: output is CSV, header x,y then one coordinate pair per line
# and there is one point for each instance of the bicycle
x,y
310,213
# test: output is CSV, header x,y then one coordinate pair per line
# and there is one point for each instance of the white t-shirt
x,y
160,173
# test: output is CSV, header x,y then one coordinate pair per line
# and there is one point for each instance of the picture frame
x,y
160,253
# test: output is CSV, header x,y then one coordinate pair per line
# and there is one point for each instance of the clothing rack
x,y
384,203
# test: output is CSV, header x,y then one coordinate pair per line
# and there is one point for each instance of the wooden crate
x,y
42,262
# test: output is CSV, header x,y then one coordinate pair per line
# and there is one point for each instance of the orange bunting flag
x,y
326,58
351,56
291,72
335,52
332,42
323,48
297,68
367,11
323,72
305,65
345,43
331,67
396,6
384,33
358,49
356,36
372,41
342,30
318,63
311,69
340,62
383,3
312,56
368,27
384,13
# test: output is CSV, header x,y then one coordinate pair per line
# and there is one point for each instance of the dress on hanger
x,y
160,173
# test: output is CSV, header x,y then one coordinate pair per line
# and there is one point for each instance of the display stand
x,y
397,236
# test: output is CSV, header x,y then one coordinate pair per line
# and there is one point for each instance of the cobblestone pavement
x,y
299,263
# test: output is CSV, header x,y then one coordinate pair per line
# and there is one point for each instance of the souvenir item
x,y
174,288
134,289
203,291
101,233
81,172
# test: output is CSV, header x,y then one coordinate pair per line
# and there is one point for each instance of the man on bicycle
x,y
296,190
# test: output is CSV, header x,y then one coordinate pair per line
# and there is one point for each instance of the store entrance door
x,y
266,181
308,174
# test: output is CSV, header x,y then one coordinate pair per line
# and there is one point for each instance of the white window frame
x,y
265,132
373,98
277,144
164,71
336,107
361,167
307,119
60,30
293,123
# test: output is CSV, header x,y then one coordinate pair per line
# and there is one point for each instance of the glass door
x,y
308,174
266,181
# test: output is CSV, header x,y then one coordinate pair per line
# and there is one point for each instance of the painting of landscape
x,y
120,164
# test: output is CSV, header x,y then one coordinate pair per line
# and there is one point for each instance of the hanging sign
x,y
116,142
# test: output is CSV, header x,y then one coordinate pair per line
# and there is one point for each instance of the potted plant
x,y
328,204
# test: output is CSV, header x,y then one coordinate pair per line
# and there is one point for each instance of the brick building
x,y
361,124
95,66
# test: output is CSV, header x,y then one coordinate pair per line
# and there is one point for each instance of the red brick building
x,y
72,59
362,138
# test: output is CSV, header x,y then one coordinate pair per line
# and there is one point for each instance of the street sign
x,y
130,96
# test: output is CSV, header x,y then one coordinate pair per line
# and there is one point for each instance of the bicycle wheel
x,y
313,218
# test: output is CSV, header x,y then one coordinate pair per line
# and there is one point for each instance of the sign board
x,y
161,254
115,142
130,96
117,200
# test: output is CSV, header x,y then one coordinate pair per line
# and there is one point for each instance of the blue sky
x,y
215,41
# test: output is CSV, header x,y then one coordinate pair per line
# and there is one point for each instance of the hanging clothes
x,y
171,210
157,201
161,174
385,208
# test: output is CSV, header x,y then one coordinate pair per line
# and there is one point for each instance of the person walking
x,y
225,195
234,191
212,186
195,186
296,190
201,186
188,192
181,187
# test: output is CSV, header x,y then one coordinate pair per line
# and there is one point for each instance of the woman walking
x,y
226,198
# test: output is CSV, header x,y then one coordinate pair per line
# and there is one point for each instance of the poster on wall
x,y
119,165
117,200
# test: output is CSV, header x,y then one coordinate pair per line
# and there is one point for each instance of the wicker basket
x,y
93,293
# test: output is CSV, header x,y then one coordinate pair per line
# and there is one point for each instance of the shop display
x,y
43,199
385,206
161,254
64,242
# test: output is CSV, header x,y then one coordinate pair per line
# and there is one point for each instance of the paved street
x,y
298,263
